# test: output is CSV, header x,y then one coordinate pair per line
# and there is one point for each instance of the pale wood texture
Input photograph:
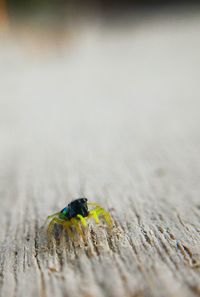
x,y
114,116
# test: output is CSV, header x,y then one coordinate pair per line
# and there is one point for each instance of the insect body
x,y
76,213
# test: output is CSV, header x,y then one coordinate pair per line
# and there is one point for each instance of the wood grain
x,y
74,125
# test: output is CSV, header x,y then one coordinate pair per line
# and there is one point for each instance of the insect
x,y
76,214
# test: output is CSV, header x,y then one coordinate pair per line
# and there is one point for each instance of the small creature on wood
x,y
76,213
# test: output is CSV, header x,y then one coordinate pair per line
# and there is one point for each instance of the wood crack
x,y
42,281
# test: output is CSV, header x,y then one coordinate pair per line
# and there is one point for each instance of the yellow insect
x,y
77,212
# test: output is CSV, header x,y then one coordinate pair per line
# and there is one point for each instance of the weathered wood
x,y
136,153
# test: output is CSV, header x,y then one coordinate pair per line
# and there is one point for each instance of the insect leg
x,y
50,227
93,214
105,214
83,220
77,227
53,215
67,226
93,204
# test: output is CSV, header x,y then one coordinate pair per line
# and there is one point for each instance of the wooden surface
x,y
115,117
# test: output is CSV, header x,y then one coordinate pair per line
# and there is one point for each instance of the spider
x,y
76,213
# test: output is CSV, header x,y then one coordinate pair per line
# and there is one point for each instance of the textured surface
x,y
113,117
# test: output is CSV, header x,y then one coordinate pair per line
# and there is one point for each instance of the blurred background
x,y
97,82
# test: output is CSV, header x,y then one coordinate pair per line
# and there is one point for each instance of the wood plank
x,y
136,153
